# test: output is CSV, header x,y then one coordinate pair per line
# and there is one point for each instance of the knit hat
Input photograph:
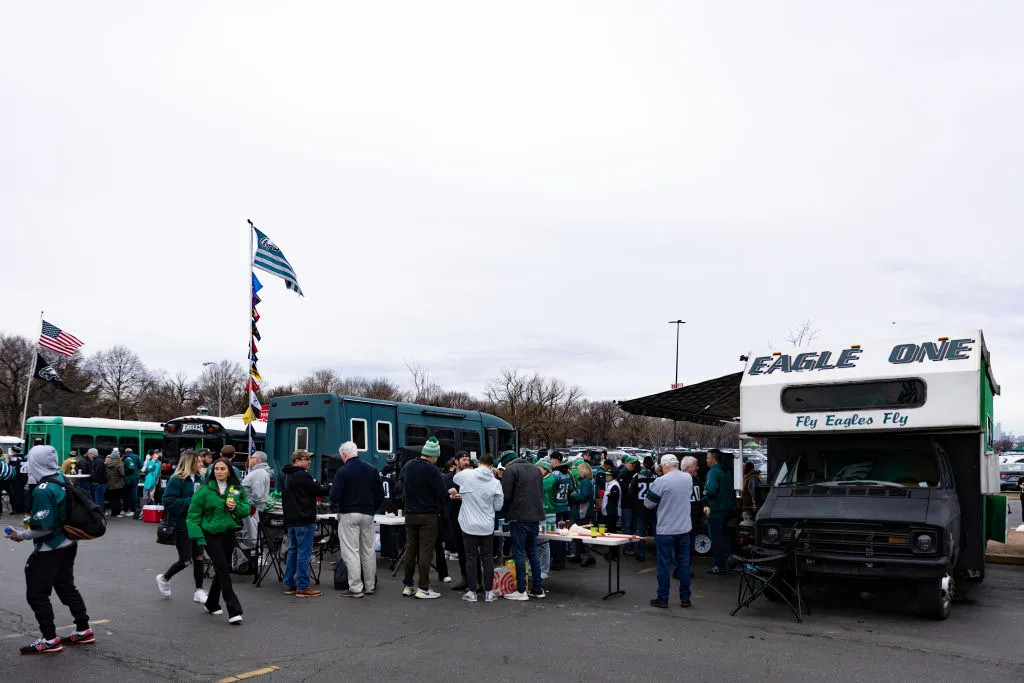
x,y
432,449
507,457
544,463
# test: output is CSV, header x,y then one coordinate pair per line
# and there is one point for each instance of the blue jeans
x,y
300,549
673,549
641,530
524,545
99,492
626,521
135,499
719,542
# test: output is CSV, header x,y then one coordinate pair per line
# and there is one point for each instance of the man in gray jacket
x,y
523,488
481,495
257,486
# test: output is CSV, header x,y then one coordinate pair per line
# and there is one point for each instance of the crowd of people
x,y
209,508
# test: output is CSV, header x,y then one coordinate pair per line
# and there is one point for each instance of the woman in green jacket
x,y
217,508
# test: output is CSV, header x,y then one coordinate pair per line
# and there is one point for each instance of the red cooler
x,y
153,513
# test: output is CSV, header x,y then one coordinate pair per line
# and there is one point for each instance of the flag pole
x,y
248,360
31,374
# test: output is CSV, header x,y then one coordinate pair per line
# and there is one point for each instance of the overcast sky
x,y
537,185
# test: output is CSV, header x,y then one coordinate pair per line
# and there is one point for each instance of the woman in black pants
x,y
217,509
177,498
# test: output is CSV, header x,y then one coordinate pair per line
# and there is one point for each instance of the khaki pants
x,y
358,542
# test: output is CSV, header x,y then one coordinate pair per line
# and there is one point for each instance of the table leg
x,y
613,555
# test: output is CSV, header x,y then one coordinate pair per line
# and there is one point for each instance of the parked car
x,y
1009,475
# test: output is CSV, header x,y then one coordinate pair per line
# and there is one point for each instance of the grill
x,y
857,539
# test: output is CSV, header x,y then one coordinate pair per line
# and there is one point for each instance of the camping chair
x,y
775,572
268,547
322,535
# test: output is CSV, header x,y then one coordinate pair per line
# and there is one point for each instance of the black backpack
x,y
83,518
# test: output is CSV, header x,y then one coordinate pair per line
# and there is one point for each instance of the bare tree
x,y
15,360
424,390
169,397
321,381
223,385
120,379
804,334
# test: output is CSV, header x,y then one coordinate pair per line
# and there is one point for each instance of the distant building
x,y
999,431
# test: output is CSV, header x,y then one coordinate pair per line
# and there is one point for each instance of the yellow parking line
x,y
23,635
249,674
647,571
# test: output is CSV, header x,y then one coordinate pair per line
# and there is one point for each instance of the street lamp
x,y
678,324
220,406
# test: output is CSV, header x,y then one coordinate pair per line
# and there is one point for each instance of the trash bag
x,y
241,563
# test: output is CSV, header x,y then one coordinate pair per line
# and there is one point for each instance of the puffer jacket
x,y
115,473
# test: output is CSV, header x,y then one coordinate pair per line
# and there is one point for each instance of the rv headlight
x,y
771,533
924,541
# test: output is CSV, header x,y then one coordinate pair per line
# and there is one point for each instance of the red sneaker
x,y
42,646
84,638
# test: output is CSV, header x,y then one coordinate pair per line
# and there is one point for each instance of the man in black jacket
x,y
424,494
97,477
299,501
523,486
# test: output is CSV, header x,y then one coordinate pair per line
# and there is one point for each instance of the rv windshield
x,y
860,466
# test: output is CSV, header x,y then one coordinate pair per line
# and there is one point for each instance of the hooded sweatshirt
x,y
257,485
299,497
48,507
481,498
115,471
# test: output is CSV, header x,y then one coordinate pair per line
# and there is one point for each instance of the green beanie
x,y
544,463
507,457
432,449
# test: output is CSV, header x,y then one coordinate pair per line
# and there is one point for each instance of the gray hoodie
x,y
257,485
42,462
481,498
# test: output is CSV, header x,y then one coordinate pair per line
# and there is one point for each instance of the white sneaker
x,y
447,579
490,596
517,596
215,612
237,619
427,594
544,577
470,596
164,586
408,592
200,596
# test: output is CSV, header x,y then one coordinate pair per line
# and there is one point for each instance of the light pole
x,y
220,407
678,324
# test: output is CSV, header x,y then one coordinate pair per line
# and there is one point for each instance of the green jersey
x,y
49,512
550,503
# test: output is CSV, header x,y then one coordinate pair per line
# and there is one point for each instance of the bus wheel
x,y
702,544
935,597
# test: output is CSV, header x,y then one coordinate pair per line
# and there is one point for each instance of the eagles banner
x,y
46,372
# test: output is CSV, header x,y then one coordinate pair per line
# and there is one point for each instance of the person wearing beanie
x,y
523,489
51,566
424,494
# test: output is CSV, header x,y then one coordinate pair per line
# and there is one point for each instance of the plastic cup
x,y
593,532
600,529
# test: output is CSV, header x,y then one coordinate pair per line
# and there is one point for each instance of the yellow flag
x,y
254,373
248,416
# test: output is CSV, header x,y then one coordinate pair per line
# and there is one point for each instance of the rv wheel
x,y
935,597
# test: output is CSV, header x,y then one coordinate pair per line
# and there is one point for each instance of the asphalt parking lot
x,y
572,635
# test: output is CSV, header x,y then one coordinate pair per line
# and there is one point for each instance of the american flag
x,y
58,340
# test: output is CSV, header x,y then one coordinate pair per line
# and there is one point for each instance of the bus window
x,y
105,444
507,440
301,438
446,438
415,436
383,437
469,442
126,442
358,431
154,444
80,443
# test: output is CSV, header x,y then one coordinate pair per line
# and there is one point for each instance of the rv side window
x,y
153,444
383,437
358,431
302,438
897,393
126,442
469,442
415,435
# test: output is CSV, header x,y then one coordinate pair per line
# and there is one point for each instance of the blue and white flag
x,y
269,258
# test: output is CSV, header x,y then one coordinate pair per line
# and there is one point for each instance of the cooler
x,y
153,513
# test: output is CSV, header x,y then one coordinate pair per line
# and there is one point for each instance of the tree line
x,y
116,383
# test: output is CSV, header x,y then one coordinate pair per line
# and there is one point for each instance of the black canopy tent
x,y
710,402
